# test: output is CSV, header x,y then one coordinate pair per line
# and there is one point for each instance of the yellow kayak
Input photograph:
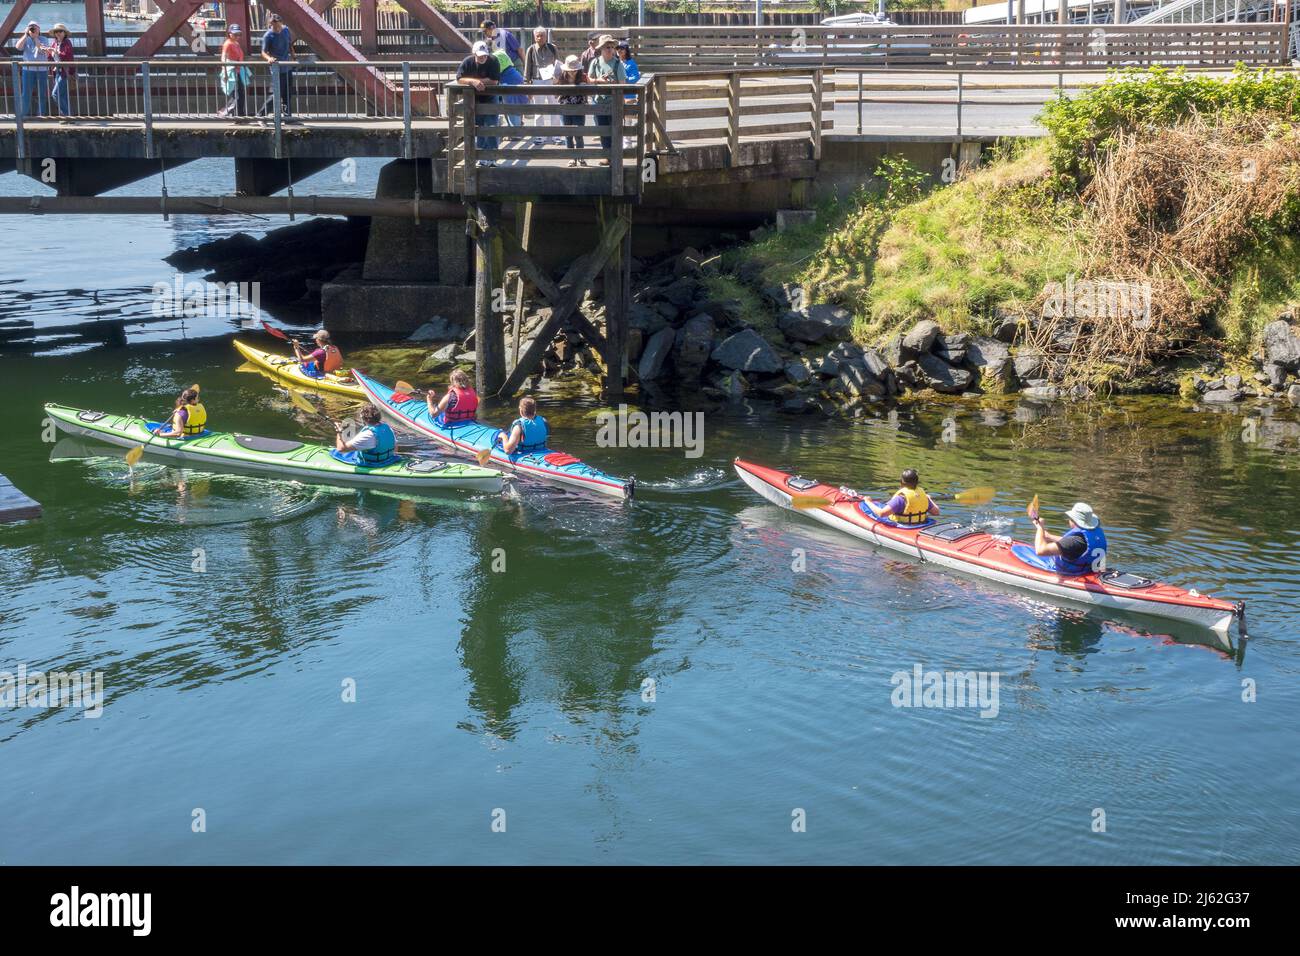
x,y
287,369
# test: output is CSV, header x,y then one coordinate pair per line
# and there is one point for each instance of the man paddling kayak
x,y
326,357
1081,549
528,433
458,406
910,504
189,419
372,447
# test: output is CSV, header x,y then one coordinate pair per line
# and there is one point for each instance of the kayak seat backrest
x,y
89,416
424,466
866,509
275,445
948,531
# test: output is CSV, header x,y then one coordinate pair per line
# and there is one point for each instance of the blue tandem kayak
x,y
472,437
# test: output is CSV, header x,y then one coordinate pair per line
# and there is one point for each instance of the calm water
x,y
522,690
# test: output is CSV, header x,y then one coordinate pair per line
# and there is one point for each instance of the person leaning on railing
x,y
61,52
480,70
235,77
277,47
36,81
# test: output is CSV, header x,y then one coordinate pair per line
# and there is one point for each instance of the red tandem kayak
x,y
968,550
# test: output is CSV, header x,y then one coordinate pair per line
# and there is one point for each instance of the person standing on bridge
x,y
480,70
61,52
606,68
592,50
277,48
541,63
36,81
572,74
502,40
234,75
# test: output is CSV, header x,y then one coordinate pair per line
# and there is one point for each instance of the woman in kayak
x,y
190,418
528,433
910,504
323,359
373,446
1081,549
459,404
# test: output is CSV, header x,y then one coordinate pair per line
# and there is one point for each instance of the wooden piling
x,y
489,334
618,301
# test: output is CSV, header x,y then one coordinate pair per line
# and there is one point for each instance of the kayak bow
x,y
471,438
312,464
973,552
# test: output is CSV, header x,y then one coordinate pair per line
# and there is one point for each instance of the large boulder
x,y
747,351
1293,395
991,360
952,347
860,383
920,338
816,323
687,262
646,318
437,329
657,349
445,357
1282,345
797,372
682,292
893,351
694,341
1223,396
1030,364
786,297
942,377
875,363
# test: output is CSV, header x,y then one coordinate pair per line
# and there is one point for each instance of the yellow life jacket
x,y
196,418
916,507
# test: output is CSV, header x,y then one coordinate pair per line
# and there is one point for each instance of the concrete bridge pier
x,y
266,177
413,270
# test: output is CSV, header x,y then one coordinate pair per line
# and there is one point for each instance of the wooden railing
x,y
517,116
739,106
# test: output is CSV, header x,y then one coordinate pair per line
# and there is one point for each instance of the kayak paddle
x,y
1032,510
134,455
972,496
277,333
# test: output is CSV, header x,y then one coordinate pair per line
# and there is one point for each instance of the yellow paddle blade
x,y
134,455
975,496
1032,510
400,386
301,402
482,457
194,387
804,502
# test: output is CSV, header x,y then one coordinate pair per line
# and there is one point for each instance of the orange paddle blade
x,y
805,502
975,496
482,457
400,386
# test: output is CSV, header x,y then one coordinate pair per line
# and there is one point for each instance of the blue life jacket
x,y
385,445
536,433
1096,539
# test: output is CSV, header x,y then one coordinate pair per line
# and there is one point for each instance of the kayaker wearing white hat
x,y
1081,549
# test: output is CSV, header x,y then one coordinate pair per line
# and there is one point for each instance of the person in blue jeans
x,y
277,47
36,79
61,51
605,67
481,71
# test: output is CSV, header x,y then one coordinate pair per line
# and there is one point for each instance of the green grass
x,y
1265,283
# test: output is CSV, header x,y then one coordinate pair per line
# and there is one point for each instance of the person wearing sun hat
x,y
61,52
572,74
605,68
481,71
1081,549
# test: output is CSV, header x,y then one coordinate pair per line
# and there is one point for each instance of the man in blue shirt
x,y
277,47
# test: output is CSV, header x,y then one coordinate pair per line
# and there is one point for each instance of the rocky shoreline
x,y
686,339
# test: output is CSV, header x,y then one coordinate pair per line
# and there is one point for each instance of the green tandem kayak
x,y
249,454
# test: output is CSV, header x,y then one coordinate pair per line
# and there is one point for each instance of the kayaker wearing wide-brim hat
x,y
910,504
1081,549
